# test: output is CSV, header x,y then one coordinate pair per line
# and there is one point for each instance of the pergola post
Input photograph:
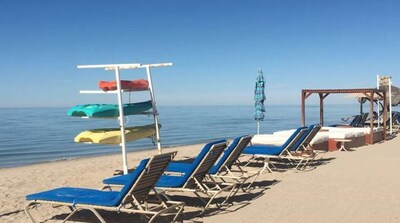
x,y
303,108
371,117
385,103
321,109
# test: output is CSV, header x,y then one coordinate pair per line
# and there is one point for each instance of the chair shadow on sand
x,y
318,162
283,165
86,216
192,213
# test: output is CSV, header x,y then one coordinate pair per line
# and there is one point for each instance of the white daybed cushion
x,y
319,138
287,133
338,133
268,139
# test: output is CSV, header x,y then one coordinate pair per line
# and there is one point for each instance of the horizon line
x,y
188,105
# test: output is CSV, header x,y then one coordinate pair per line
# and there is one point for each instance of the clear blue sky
x,y
216,46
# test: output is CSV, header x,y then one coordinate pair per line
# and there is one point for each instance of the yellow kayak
x,y
113,135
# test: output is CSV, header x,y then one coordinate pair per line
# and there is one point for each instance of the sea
x,y
38,135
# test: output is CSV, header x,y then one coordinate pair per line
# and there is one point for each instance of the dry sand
x,y
357,186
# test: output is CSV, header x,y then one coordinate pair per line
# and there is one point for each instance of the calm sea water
x,y
34,135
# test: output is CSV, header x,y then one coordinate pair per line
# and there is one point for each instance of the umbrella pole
x,y
258,127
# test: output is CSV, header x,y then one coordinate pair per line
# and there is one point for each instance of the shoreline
x,y
117,154
108,154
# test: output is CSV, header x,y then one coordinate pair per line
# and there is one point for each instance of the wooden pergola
x,y
370,93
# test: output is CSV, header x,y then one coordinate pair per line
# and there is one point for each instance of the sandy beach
x,y
83,82
356,186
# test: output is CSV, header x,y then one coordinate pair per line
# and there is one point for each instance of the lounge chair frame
x,y
303,154
226,173
266,159
195,182
135,201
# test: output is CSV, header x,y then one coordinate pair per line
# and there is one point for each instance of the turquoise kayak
x,y
108,110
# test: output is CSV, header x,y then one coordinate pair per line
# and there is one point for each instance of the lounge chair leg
x,y
70,215
230,187
240,186
209,203
179,212
232,192
33,203
27,206
254,179
305,164
176,205
90,209
97,215
266,166
298,165
202,200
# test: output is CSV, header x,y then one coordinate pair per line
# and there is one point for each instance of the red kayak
x,y
134,85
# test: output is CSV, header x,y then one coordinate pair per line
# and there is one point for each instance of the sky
x,y
217,47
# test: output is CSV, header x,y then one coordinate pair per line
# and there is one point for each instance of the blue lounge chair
x,y
304,142
226,161
131,199
300,152
357,121
396,121
191,179
223,168
266,152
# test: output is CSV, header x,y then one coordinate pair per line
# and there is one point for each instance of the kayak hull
x,y
135,85
113,135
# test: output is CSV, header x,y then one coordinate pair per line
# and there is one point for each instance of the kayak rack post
x,y
153,101
121,122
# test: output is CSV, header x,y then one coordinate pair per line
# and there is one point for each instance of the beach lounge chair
x,y
223,170
303,144
301,152
191,180
132,198
357,121
396,121
268,152
364,118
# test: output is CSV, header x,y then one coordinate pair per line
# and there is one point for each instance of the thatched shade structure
x,y
395,93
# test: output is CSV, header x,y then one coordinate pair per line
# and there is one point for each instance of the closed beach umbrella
x,y
259,98
392,92
395,93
